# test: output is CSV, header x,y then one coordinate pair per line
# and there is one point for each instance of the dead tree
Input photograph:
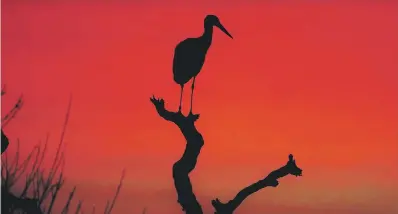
x,y
187,163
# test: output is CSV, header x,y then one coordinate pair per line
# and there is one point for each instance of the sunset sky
x,y
318,79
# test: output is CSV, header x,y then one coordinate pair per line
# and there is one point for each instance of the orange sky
x,y
314,78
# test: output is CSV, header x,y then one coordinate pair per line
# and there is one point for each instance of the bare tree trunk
x,y
187,162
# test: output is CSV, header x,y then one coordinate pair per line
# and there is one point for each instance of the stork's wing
x,y
188,60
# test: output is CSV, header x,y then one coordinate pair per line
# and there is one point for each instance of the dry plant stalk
x,y
41,186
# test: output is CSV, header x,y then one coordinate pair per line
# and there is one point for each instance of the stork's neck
x,y
207,35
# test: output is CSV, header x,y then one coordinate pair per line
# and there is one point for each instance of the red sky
x,y
314,78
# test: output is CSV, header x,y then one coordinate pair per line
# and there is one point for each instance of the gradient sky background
x,y
314,78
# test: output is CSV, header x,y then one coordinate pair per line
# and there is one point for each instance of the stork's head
x,y
212,20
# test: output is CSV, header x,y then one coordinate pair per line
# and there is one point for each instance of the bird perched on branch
x,y
190,54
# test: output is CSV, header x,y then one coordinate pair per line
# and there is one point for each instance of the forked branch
x,y
270,181
187,162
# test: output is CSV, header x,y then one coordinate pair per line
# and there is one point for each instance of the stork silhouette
x,y
190,54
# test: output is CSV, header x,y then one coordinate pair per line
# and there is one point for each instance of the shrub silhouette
x,y
41,186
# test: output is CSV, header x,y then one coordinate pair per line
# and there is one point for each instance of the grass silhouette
x,y
41,186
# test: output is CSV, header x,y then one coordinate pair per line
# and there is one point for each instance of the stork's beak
x,y
222,28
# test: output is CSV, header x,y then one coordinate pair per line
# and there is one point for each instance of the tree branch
x,y
187,162
271,180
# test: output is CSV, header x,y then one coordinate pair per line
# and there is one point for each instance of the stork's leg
x,y
193,87
182,90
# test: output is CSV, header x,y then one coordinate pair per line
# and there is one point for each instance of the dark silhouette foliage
x,y
41,186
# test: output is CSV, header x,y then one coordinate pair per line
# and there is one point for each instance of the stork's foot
x,y
193,116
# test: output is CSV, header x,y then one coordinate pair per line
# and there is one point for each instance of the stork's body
x,y
190,55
